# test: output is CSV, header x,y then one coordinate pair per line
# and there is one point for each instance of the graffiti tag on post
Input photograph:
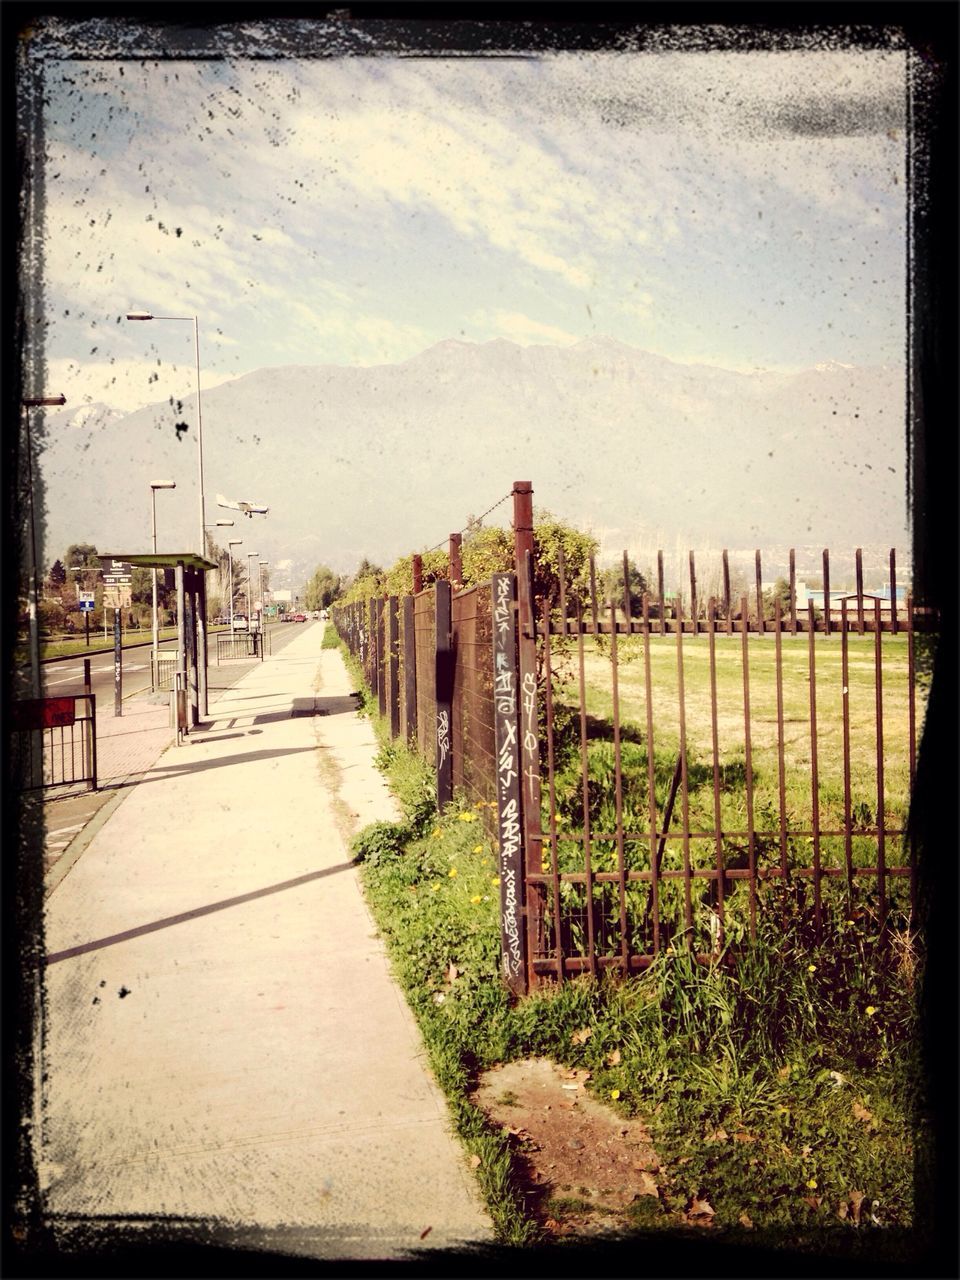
x,y
506,731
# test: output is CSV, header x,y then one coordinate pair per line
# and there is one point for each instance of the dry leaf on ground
x,y
582,1036
861,1113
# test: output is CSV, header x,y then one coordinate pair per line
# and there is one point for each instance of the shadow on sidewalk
x,y
98,943
175,771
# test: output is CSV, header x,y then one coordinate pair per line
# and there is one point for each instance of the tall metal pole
x,y
251,555
233,542
33,584
201,611
155,651
34,593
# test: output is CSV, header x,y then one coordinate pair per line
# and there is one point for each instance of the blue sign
x,y
86,606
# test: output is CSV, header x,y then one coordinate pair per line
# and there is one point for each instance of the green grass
x,y
796,1067
780,827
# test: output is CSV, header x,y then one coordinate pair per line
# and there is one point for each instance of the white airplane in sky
x,y
250,509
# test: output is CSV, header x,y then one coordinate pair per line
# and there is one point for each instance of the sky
x,y
744,210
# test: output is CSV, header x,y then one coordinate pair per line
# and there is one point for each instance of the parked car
x,y
299,617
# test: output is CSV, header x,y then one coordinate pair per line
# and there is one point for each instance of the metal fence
x,y
54,742
698,774
691,766
243,644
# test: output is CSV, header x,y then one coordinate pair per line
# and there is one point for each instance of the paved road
x,y
65,675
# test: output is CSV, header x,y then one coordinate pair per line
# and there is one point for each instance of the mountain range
x,y
379,461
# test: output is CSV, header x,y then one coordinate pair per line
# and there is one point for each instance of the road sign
x,y
86,606
117,596
43,713
116,572
85,597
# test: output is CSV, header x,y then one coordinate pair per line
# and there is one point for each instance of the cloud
x,y
520,328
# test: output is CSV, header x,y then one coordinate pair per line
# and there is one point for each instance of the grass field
x,y
746,798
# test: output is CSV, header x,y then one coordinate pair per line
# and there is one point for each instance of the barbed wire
x,y
473,521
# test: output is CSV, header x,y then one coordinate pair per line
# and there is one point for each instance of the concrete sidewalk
x,y
224,1043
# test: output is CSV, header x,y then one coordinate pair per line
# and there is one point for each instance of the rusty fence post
x,y
382,656
455,562
372,645
393,661
417,574
529,739
507,748
410,669
444,673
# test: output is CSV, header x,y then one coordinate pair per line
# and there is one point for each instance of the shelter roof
x,y
162,559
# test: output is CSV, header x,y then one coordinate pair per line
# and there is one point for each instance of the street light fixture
x,y
155,625
233,542
201,621
38,402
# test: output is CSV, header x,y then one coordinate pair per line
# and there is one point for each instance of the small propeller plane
x,y
250,509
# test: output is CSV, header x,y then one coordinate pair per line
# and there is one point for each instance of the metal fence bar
x,y
715,743
653,901
748,764
618,791
847,800
585,801
814,774
552,800
781,763
881,842
684,783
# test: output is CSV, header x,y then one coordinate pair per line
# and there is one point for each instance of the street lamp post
x,y
263,565
201,621
251,555
155,625
40,402
221,524
233,542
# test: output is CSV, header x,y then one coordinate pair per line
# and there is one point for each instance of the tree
x,y
612,581
322,589
58,574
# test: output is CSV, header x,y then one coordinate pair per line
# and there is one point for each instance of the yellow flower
x,y
452,871
437,832
812,1184
614,1093
494,879
478,848
476,898
811,968
870,1010
434,888
466,817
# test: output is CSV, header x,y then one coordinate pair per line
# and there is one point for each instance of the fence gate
x,y
54,742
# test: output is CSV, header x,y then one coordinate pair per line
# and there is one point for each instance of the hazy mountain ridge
x,y
386,459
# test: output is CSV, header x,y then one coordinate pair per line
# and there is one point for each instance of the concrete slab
x,y
224,1040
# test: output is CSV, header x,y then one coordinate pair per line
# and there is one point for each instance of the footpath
x,y
225,1049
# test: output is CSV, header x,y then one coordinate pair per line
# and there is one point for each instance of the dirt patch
x,y
582,1164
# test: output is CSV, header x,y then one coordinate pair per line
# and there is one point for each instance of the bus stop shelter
x,y
191,583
